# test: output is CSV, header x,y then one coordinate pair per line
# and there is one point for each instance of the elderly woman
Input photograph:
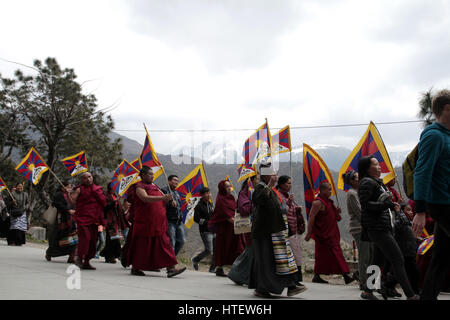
x,y
18,210
228,245
63,236
274,267
377,220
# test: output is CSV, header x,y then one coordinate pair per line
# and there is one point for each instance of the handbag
x,y
242,224
49,215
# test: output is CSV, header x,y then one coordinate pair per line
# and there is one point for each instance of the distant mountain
x,y
216,157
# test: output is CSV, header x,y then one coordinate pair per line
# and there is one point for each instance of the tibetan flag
x,y
229,180
258,145
370,144
315,172
281,141
76,164
2,185
189,192
124,176
245,171
149,158
425,245
136,163
32,167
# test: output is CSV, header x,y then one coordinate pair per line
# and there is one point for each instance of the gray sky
x,y
229,64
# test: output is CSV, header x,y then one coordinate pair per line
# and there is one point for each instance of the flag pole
x,y
290,170
51,171
387,153
10,194
162,167
206,176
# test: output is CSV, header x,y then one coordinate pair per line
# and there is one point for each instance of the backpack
x,y
408,168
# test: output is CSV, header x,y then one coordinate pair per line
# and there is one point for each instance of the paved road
x,y
27,275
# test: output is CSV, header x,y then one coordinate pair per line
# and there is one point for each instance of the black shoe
x,y
348,279
173,272
368,296
212,269
136,272
220,273
393,293
262,294
383,293
194,264
318,279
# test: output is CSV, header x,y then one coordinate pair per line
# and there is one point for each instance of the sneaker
x,y
194,264
212,269
414,297
318,279
295,290
368,296
173,272
136,272
262,294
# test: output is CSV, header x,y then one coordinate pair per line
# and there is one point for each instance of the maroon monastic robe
x,y
150,246
228,246
329,258
88,215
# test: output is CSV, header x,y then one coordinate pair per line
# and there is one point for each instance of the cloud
x,y
228,35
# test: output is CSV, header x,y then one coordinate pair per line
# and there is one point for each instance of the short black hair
x,y
144,170
172,176
204,190
282,180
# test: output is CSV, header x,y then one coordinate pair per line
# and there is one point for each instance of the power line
x,y
292,128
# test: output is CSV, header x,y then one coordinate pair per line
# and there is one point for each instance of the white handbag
x,y
242,224
49,215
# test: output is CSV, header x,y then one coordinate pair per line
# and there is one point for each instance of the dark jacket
x,y
174,214
374,213
202,213
267,214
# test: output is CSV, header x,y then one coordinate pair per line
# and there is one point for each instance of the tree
x,y
425,111
60,120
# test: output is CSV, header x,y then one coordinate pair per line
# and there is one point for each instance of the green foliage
x,y
49,110
425,111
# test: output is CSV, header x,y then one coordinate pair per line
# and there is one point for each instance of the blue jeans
x,y
208,240
100,242
176,235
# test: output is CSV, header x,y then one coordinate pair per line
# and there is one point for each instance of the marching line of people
x,y
266,258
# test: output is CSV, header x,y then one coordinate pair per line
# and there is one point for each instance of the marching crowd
x,y
267,257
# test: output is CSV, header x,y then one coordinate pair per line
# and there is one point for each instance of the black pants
x,y
440,261
16,237
384,243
